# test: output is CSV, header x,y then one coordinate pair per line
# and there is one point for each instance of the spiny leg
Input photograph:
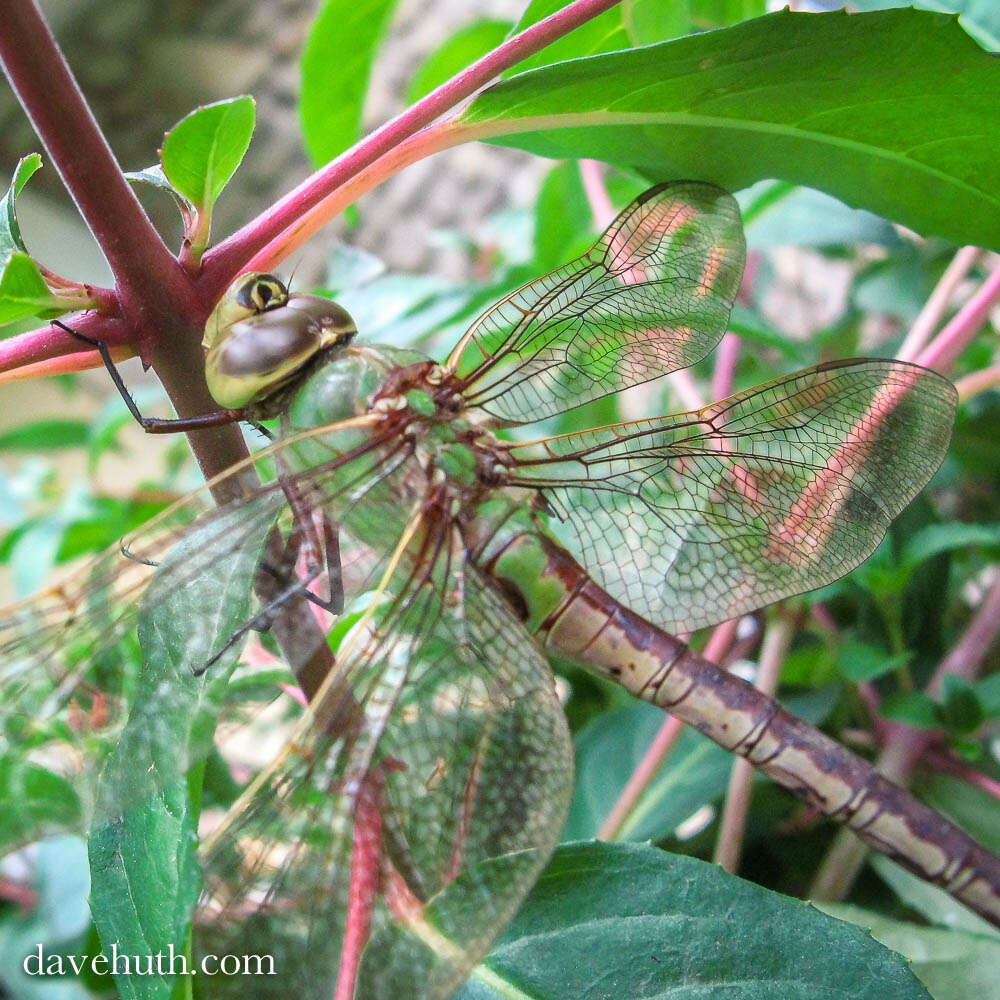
x,y
158,425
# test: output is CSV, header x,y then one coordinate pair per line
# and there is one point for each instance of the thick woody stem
x,y
149,279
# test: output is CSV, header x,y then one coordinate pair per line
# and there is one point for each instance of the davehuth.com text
x,y
37,963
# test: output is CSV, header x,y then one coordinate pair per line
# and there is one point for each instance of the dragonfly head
x,y
259,337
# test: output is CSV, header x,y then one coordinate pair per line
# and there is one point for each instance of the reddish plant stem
x,y
601,207
948,763
729,845
937,303
942,351
223,262
150,281
163,315
715,649
364,881
434,139
725,366
977,382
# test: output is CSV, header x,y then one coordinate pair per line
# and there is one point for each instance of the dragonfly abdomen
x,y
572,616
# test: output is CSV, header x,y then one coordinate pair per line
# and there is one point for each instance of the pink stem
x,y
941,760
942,351
937,303
48,345
725,366
777,639
601,206
430,140
230,256
719,642
977,382
907,745
683,384
364,881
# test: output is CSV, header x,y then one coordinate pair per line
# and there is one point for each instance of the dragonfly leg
x,y
156,425
301,542
260,622
132,557
318,547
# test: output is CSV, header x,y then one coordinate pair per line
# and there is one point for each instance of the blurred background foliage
x,y
415,263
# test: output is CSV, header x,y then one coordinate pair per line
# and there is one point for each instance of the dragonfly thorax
x,y
415,402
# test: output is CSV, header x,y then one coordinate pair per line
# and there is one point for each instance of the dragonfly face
x,y
259,337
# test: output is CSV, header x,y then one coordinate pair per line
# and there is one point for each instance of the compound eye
x,y
262,292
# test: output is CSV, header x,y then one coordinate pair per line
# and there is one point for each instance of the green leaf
x,y
463,48
893,112
336,65
144,870
975,810
616,920
607,752
23,291
934,539
155,177
46,434
896,286
988,690
980,18
202,151
912,707
808,218
651,21
45,801
751,328
960,711
930,901
953,965
10,231
860,661
562,218
604,33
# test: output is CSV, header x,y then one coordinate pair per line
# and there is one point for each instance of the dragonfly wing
x,y
72,662
694,519
651,296
414,806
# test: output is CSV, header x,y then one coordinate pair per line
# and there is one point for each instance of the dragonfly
x,y
444,556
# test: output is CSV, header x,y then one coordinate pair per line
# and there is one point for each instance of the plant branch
x,y
774,649
937,303
227,259
948,763
149,279
942,351
976,382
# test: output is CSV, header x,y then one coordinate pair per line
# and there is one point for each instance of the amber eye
x,y
262,292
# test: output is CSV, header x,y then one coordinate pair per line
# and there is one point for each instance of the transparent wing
x,y
70,660
651,296
422,791
414,807
694,519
